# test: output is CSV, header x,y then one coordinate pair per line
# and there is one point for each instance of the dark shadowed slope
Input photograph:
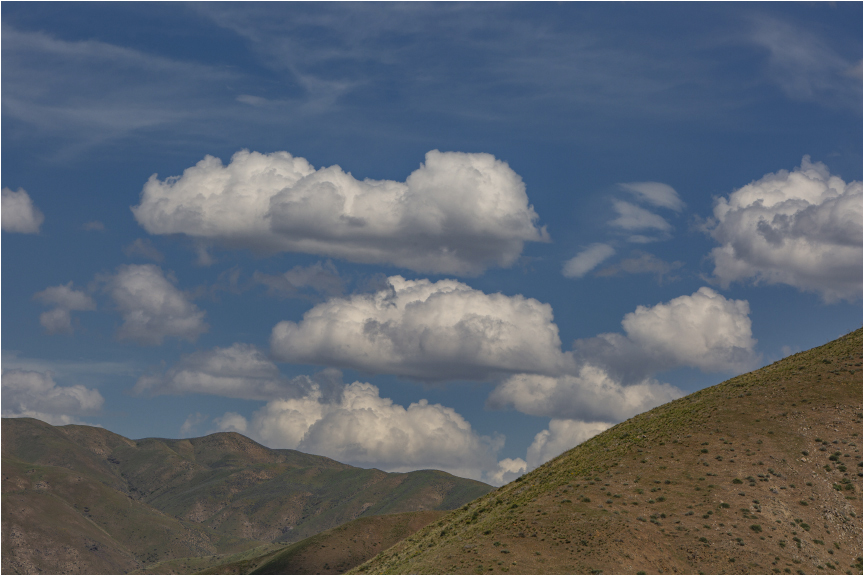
x,y
336,550
759,474
78,499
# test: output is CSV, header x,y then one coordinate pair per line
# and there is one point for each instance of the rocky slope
x,y
759,474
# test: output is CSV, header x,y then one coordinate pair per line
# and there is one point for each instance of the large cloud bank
x,y
364,429
802,228
152,307
18,212
458,213
419,329
33,394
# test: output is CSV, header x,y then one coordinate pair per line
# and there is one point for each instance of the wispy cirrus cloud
x,y
806,66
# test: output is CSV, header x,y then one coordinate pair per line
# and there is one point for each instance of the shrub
x,y
737,481
756,528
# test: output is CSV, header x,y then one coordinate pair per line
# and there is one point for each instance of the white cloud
x,y
703,330
587,260
612,379
18,212
562,435
143,248
63,296
458,213
232,422
239,371
152,307
508,470
192,422
425,330
35,395
655,193
64,299
632,217
802,228
319,277
591,394
364,429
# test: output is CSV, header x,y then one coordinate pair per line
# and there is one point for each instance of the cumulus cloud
x,y
425,330
321,277
64,299
612,379
508,470
802,228
703,330
152,307
587,260
591,394
18,212
364,429
238,371
143,248
458,213
34,394
562,435
655,193
191,423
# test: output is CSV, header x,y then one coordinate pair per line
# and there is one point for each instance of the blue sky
x,y
458,236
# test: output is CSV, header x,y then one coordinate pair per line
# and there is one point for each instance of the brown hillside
x,y
79,499
759,474
331,552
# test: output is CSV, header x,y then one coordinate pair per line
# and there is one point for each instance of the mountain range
x,y
759,474
81,499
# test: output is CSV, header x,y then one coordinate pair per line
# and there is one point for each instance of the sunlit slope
x,y
79,499
759,474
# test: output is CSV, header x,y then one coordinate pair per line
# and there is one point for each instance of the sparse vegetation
x,y
741,420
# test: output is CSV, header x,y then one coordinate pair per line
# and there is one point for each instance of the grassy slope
x,y
759,474
333,551
82,499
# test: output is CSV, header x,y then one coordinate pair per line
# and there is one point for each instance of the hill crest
x,y
761,473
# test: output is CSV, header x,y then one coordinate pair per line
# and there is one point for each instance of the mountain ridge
x,y
120,505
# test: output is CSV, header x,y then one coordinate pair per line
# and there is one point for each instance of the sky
x,y
405,236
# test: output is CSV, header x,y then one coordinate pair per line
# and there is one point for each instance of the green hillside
x,y
79,499
759,474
